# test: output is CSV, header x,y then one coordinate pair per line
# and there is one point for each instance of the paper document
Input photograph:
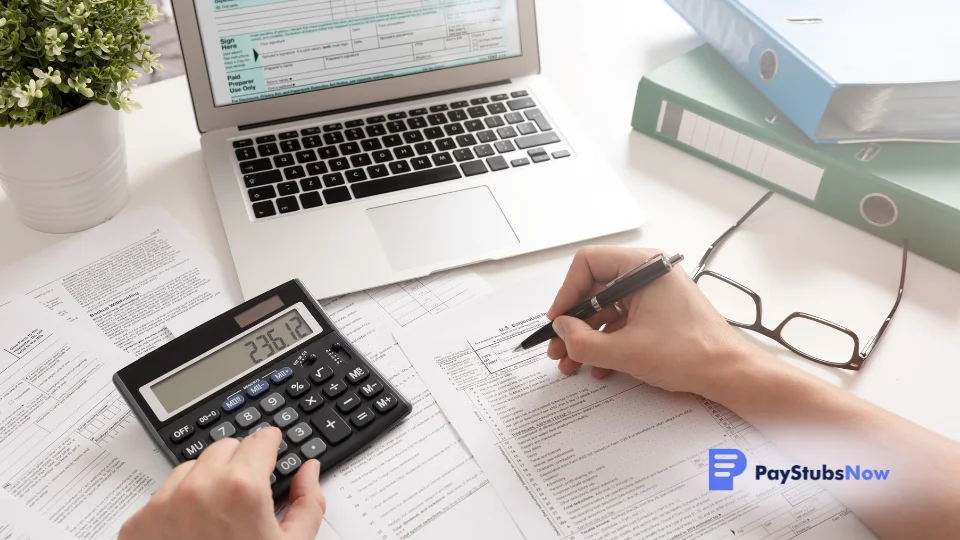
x,y
69,449
129,282
418,481
19,522
126,279
577,458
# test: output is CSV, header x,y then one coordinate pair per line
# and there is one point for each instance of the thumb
x,y
586,345
307,504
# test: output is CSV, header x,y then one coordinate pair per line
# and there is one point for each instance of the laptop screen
x,y
261,49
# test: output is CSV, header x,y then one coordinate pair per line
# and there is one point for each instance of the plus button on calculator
x,y
276,360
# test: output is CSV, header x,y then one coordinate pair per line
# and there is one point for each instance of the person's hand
x,y
670,335
225,494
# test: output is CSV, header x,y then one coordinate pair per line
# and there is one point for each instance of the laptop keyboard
x,y
365,157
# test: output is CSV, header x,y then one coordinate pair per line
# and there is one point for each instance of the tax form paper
x,y
580,458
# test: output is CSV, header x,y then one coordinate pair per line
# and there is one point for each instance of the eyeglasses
x,y
809,336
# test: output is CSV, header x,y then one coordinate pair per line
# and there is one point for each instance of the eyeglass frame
x,y
857,359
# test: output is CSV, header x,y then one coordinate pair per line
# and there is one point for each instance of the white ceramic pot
x,y
68,175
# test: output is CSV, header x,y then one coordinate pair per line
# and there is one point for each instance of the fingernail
x,y
558,328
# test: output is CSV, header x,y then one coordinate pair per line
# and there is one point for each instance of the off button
x,y
181,434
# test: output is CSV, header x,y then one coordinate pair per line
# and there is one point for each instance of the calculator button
x,y
362,418
288,464
371,388
311,403
357,374
181,433
285,417
321,374
333,428
194,449
334,388
281,375
348,403
298,388
255,429
258,388
314,447
233,403
385,403
273,479
247,417
272,403
223,430
208,418
283,447
299,433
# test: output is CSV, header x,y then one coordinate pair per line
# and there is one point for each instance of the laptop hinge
x,y
367,106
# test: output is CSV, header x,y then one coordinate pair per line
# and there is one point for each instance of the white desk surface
x,y
595,54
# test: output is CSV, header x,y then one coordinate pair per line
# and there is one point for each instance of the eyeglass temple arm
x,y
723,237
886,322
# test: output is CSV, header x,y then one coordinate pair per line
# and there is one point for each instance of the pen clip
x,y
636,269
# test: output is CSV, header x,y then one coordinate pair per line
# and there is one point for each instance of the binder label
x,y
746,153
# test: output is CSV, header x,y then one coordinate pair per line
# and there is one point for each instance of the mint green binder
x,y
896,191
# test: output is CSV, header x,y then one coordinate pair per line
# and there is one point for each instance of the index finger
x,y
592,268
258,452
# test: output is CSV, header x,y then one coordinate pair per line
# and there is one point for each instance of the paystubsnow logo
x,y
727,463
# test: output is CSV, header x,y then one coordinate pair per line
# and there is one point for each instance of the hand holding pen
x,y
622,286
669,336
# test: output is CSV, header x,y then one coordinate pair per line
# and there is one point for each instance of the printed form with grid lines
x,y
580,458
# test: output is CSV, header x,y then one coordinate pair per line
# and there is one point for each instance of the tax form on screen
x,y
580,458
259,49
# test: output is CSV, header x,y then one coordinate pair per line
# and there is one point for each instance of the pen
x,y
632,280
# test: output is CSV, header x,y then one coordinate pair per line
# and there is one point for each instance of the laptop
x,y
356,143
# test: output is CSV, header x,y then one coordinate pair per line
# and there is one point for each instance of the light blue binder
x,y
819,60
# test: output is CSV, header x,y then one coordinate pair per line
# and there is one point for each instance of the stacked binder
x,y
715,104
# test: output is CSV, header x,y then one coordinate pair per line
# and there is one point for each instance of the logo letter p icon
x,y
725,463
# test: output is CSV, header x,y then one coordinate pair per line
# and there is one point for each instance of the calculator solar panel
x,y
277,361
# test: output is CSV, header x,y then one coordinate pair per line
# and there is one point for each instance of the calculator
x,y
276,360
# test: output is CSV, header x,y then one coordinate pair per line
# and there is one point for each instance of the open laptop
x,y
354,143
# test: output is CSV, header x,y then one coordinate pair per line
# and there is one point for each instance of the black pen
x,y
632,280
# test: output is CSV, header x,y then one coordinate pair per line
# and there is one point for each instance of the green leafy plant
x,y
58,55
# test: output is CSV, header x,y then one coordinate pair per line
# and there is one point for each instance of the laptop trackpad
x,y
442,228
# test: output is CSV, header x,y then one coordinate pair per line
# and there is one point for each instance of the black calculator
x,y
277,361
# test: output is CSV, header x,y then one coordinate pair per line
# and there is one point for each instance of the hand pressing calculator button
x,y
288,464
276,360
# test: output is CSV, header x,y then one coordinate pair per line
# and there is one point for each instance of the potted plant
x,y
66,68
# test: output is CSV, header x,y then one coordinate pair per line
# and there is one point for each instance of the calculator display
x,y
259,345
